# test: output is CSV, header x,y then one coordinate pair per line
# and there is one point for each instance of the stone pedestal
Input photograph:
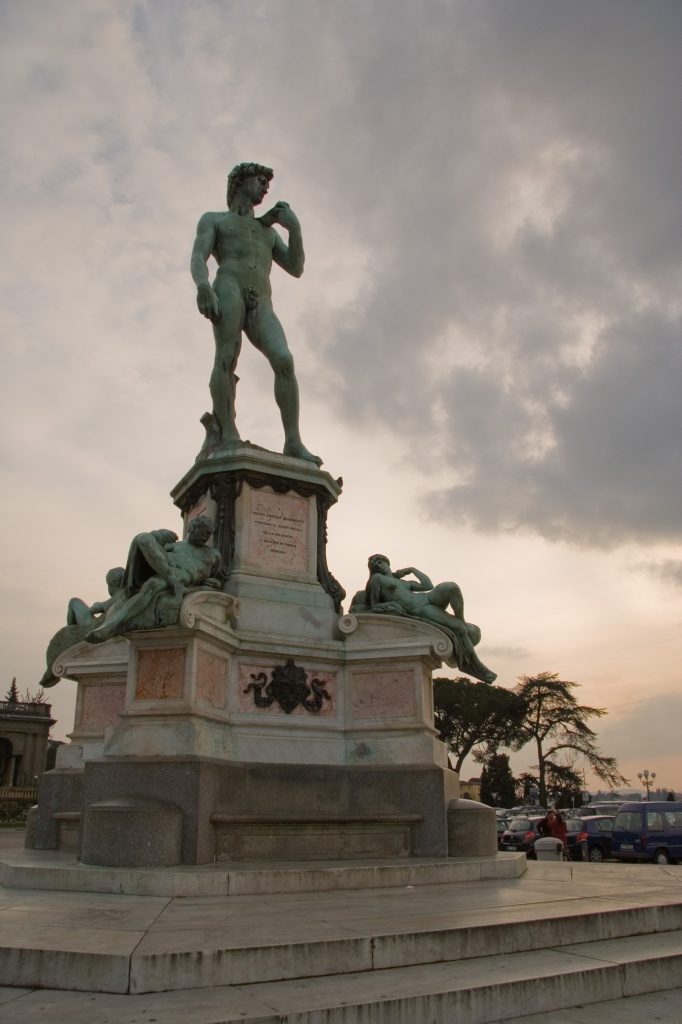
x,y
277,726
270,513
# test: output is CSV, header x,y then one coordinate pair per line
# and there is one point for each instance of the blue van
x,y
648,832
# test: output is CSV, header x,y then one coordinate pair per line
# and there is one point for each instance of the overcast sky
x,y
487,333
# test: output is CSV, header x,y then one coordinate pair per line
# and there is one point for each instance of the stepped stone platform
x,y
557,937
54,869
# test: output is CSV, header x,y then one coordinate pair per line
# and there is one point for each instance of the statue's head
x,y
115,579
240,173
378,563
199,530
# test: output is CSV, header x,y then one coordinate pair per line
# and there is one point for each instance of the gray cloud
x,y
668,570
519,324
497,187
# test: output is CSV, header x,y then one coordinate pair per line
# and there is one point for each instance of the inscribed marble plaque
x,y
383,694
210,678
278,531
160,673
101,704
246,702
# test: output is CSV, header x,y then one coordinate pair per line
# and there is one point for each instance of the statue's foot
x,y
98,636
299,451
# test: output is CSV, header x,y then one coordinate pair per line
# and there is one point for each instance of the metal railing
x,y
18,792
11,707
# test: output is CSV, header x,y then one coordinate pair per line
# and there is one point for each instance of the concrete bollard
x,y
472,829
549,848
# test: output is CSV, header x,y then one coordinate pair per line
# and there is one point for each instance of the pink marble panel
x,y
383,694
278,531
246,702
210,678
102,704
160,673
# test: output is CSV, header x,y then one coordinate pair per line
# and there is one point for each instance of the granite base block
x,y
59,790
132,833
203,788
472,829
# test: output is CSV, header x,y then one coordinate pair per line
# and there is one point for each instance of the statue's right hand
x,y
207,302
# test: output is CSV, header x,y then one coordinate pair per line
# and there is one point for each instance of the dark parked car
x,y
589,838
502,826
648,831
520,835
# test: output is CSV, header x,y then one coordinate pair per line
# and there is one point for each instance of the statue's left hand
x,y
281,213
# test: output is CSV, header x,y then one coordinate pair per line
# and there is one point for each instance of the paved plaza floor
x,y
159,928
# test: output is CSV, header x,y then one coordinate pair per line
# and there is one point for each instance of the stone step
x,y
481,990
188,950
56,870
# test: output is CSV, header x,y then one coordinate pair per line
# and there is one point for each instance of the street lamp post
x,y
647,779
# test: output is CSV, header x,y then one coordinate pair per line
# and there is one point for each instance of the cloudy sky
x,y
487,333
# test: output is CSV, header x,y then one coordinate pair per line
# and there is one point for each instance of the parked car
x,y
589,838
648,832
521,835
502,826
593,809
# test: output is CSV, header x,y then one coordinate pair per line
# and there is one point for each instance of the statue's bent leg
x,y
265,332
156,558
227,334
78,614
133,607
448,595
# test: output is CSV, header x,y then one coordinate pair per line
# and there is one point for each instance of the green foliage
x,y
13,694
497,778
470,715
13,814
557,724
564,785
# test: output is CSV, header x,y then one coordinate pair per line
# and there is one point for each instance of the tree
x,y
469,715
39,697
525,783
13,694
553,716
497,778
564,782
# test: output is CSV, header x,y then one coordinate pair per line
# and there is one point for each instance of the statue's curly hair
x,y
199,521
114,577
372,566
242,171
